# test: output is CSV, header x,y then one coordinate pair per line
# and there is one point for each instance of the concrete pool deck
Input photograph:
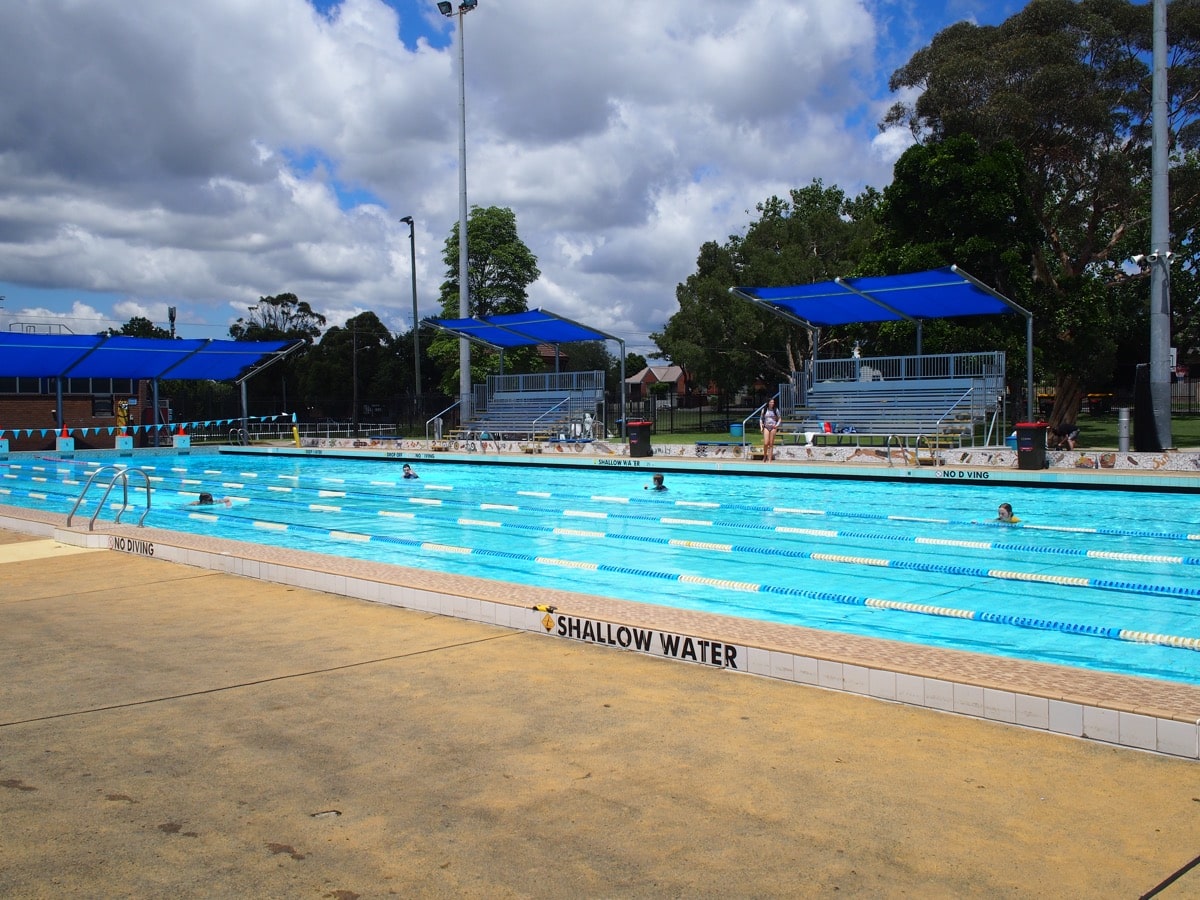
x,y
172,730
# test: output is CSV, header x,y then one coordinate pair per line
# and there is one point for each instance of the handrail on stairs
x,y
121,474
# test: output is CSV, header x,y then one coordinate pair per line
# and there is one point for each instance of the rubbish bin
x,y
735,430
639,438
1031,445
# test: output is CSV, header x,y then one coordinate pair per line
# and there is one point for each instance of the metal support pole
x,y
464,299
245,436
1160,241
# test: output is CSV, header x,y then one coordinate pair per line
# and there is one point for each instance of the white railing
x,y
988,365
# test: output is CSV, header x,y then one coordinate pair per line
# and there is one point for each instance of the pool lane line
x,y
1129,635
786,510
1120,556
1125,587
1029,622
1104,584
961,571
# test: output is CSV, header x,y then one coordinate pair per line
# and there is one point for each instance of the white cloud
x,y
192,154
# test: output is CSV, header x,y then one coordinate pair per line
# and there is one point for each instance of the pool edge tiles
x,y
1137,713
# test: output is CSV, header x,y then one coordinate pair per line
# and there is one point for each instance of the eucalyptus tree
x,y
813,235
1068,85
281,317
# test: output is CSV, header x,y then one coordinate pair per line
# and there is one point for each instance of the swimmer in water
x,y
206,499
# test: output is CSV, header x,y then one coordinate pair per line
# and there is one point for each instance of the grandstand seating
x,y
521,417
944,411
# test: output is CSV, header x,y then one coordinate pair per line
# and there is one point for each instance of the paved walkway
x,y
170,731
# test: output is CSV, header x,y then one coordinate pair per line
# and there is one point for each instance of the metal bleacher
x,y
537,407
943,400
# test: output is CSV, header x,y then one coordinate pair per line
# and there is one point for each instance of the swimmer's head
x,y
206,499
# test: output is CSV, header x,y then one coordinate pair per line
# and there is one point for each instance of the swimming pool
x,y
1094,579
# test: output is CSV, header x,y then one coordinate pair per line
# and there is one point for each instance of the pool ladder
x,y
119,474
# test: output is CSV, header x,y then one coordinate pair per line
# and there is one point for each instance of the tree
x,y
139,326
354,362
499,265
951,202
282,317
1068,84
499,270
814,235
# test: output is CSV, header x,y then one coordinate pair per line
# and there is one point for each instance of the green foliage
x,y
282,317
139,326
364,349
499,265
1067,84
814,235
499,269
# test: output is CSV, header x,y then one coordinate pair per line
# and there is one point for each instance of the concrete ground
x,y
170,731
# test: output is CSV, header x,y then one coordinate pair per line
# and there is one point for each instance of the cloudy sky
x,y
158,153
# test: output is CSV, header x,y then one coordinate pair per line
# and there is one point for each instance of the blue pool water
x,y
1096,579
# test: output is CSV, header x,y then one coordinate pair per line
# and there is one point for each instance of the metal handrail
x,y
437,417
120,473
554,408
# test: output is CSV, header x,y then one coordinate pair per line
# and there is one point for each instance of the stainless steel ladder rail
x,y
901,443
121,474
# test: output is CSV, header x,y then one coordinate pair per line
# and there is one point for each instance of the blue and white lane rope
x,y
1032,622
759,508
833,533
1124,586
1108,584
964,571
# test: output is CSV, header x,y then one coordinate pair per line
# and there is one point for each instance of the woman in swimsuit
x,y
769,423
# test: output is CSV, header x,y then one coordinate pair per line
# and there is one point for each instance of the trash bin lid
x,y
1030,425
639,423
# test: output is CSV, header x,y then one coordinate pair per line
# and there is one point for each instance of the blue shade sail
x,y
100,356
936,294
523,329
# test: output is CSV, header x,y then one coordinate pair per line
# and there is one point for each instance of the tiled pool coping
x,y
1145,714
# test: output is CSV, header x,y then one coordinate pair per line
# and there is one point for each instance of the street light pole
x,y
354,381
464,306
412,249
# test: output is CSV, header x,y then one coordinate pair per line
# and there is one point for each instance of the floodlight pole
x,y
1160,241
464,304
